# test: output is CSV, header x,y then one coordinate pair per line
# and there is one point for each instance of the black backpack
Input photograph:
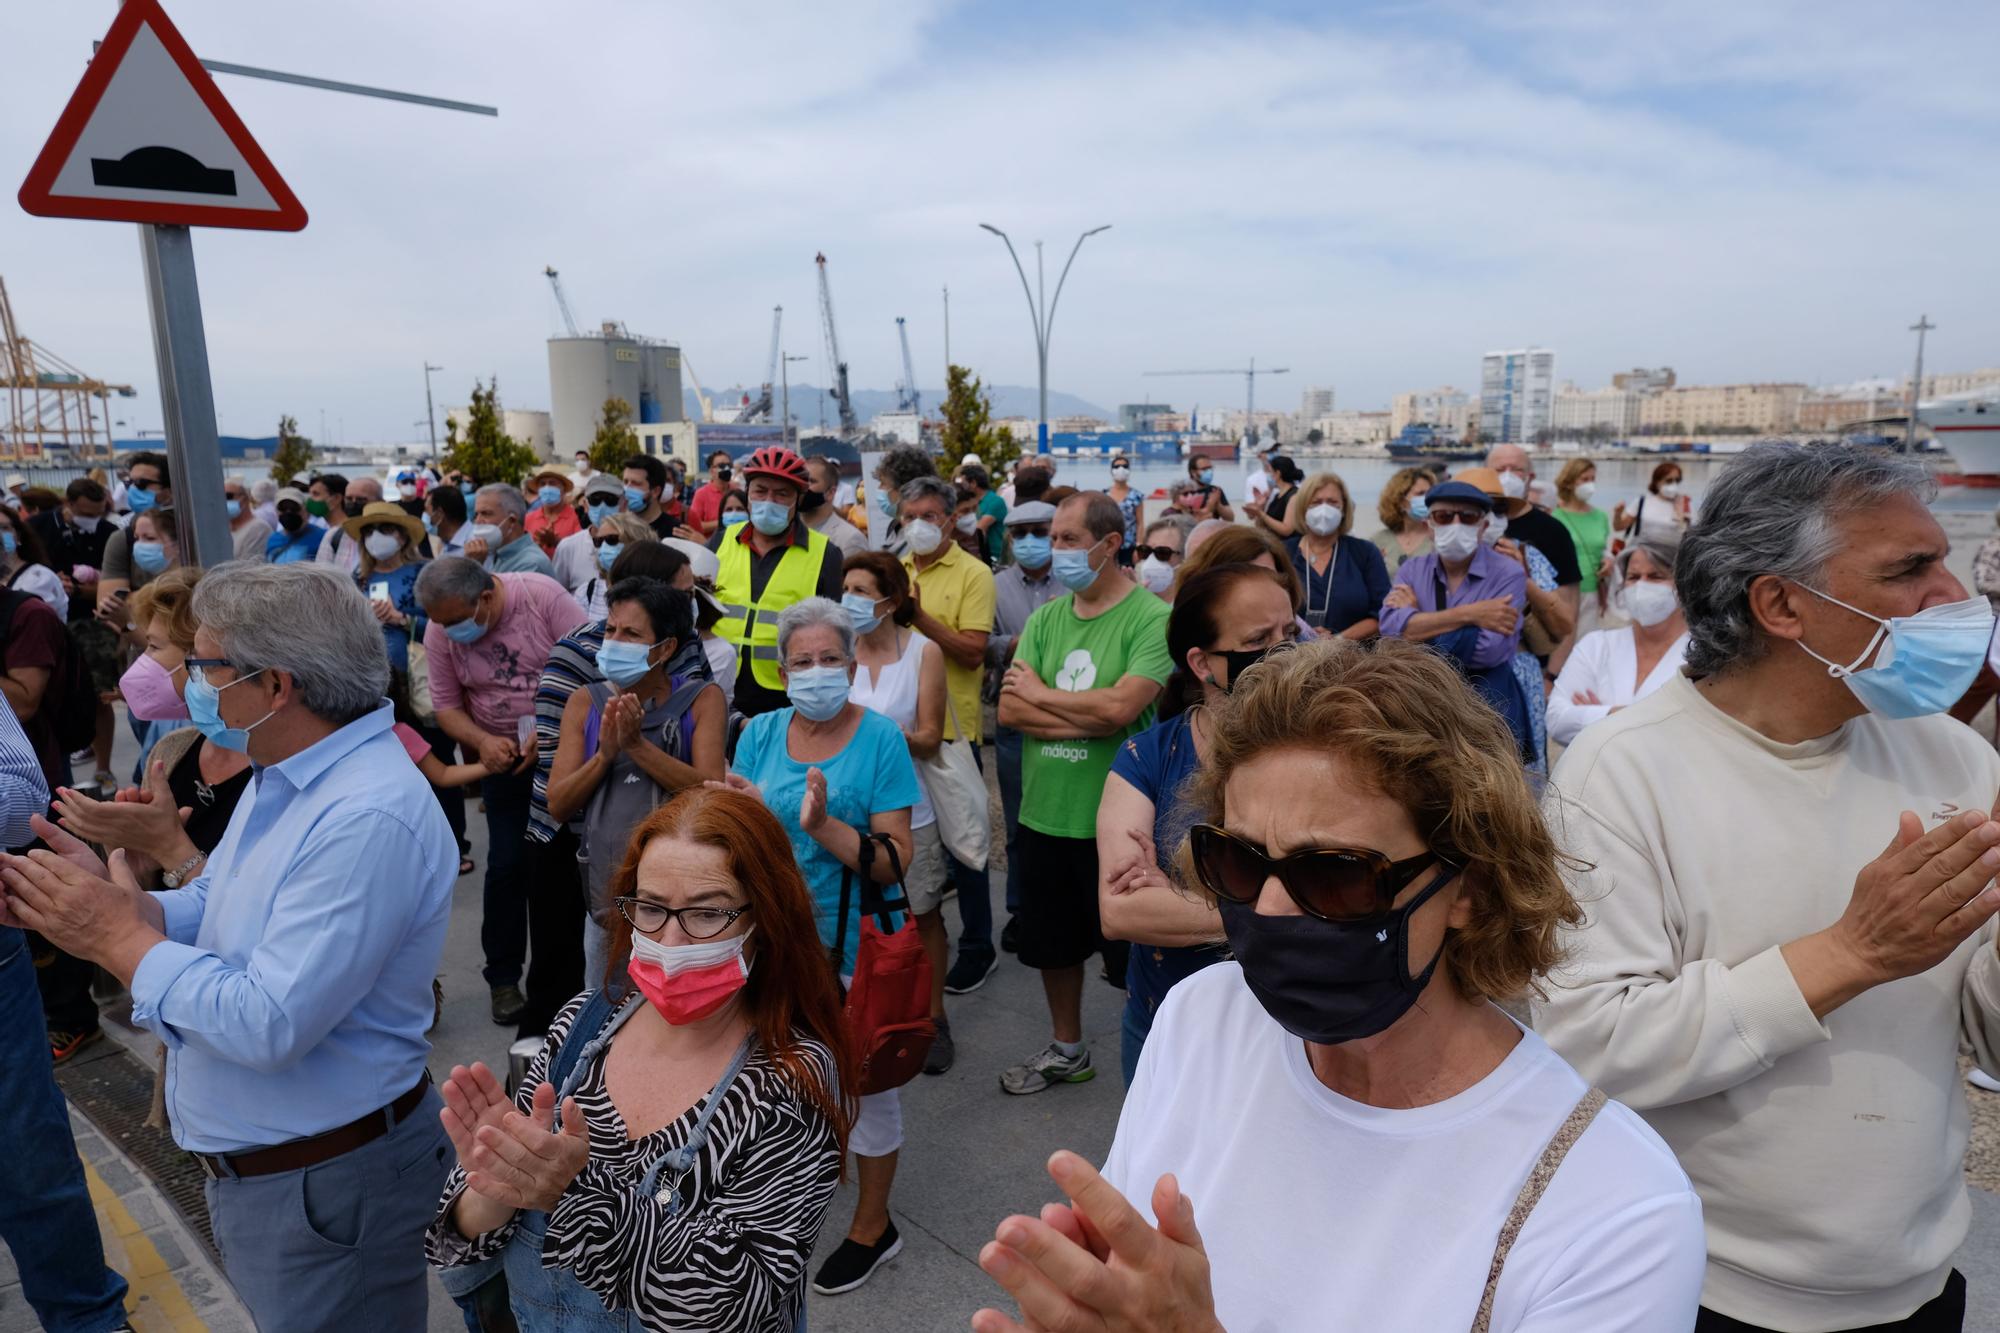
x,y
75,715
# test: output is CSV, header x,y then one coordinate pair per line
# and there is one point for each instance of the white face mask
x,y
1670,490
968,522
1585,489
1155,574
1496,528
1650,603
85,523
1513,485
923,535
484,532
1456,542
1120,473
1323,520
382,545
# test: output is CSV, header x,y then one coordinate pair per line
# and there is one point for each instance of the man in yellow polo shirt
x,y
768,564
954,596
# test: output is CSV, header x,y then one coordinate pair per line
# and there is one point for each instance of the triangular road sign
x,y
148,137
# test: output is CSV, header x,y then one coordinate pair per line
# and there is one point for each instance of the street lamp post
x,y
785,379
430,413
1043,316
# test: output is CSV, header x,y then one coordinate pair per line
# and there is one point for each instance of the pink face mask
x,y
149,692
688,982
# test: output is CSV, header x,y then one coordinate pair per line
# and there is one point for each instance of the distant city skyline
x,y
1373,198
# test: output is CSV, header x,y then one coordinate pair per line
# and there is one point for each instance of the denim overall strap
x,y
579,1064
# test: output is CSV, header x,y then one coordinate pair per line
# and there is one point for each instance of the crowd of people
x,y
1402,848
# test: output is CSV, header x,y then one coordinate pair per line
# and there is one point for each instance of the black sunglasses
x,y
1331,883
1166,553
698,923
1444,518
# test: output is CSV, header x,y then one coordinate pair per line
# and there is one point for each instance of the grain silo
x,y
586,370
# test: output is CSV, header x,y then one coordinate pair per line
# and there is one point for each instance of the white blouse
x,y
1605,662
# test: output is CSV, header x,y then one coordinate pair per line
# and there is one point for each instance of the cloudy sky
x,y
1368,194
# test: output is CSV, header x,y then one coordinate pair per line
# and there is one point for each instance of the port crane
x,y
1249,374
50,404
759,408
562,302
707,407
907,398
838,367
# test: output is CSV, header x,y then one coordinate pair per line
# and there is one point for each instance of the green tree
x,y
615,440
295,452
486,453
968,425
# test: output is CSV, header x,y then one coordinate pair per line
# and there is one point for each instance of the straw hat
x,y
378,512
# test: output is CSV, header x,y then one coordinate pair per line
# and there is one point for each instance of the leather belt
x,y
301,1153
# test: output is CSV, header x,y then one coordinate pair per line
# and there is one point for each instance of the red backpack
x,y
889,1000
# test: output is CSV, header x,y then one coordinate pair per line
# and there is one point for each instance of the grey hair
x,y
263,490
1663,553
1178,487
1180,523
1774,511
916,488
307,620
816,611
452,578
512,503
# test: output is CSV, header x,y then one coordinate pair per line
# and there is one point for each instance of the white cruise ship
x,y
1967,426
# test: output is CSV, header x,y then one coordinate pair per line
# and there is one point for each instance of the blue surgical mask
x,y
819,693
1073,569
635,499
233,507
1031,551
149,556
1206,475
733,517
549,496
607,554
1418,508
202,704
466,489
860,610
468,630
1926,665
430,524
885,504
770,517
139,501
624,664
601,511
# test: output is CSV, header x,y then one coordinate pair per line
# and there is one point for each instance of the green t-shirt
x,y
996,536
1062,781
1591,531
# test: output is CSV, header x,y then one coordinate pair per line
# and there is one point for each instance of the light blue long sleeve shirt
x,y
23,790
294,985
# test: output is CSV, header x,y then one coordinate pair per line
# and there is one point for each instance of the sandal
x,y
465,865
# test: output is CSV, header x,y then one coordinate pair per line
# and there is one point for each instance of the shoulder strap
x,y
173,747
1532,1189
583,1029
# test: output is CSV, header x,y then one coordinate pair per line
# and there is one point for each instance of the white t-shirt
x,y
1257,486
892,691
721,655
1324,1213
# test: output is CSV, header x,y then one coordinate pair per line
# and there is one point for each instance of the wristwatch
x,y
178,876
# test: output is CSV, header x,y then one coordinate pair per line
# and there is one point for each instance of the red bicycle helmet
x,y
779,463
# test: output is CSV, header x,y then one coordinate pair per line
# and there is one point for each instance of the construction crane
x,y
759,408
51,405
907,399
1249,374
838,367
707,408
562,302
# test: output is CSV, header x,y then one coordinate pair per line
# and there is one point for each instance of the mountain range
x,y
1009,400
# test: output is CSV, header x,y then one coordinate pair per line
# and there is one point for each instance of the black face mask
x,y
291,520
352,505
1238,660
811,501
1331,981
725,474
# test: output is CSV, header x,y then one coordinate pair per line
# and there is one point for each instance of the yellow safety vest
x,y
753,625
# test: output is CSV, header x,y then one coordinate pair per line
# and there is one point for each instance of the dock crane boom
x,y
907,399
759,408
848,426
562,302
1249,374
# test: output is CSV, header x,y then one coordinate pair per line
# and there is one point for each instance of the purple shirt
x,y
493,678
1490,575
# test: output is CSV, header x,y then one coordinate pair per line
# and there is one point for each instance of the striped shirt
x,y
572,665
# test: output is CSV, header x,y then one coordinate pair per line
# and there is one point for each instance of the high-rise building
x,y
1450,410
1515,389
1315,403
1642,380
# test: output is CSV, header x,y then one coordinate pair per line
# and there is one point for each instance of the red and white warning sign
x,y
148,137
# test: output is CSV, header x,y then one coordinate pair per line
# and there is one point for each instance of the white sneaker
x,y
1982,1080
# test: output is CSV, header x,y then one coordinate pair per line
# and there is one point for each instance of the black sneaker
x,y
968,973
1010,935
854,1263
508,1002
943,1050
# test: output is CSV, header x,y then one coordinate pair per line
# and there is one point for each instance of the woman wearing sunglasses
x,y
613,535
701,1120
1342,1129
1224,620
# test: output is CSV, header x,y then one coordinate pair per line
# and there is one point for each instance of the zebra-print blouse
x,y
734,1258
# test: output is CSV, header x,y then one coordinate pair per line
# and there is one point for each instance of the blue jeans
x,y
503,926
975,900
340,1245
1007,744
45,1213
1134,1026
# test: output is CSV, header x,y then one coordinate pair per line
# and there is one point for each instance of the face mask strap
x,y
1833,668
1446,874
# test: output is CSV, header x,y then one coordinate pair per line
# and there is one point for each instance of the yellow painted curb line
x,y
153,1299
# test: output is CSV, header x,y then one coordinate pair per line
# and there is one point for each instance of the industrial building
x,y
587,369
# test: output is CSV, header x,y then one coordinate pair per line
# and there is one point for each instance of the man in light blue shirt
x,y
291,978
499,535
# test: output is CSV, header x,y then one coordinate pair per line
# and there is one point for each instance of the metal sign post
x,y
187,396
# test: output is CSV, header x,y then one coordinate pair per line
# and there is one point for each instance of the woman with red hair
x,y
702,1120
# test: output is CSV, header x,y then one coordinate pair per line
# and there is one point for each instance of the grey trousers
x,y
338,1246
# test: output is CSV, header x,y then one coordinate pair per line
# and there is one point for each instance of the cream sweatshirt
x,y
1828,1156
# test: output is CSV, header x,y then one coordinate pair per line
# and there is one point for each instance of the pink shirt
x,y
414,745
495,677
